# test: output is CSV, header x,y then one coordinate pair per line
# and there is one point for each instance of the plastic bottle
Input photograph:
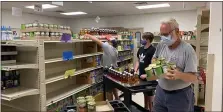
x,y
3,32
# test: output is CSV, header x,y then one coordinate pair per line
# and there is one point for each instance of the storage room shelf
x,y
74,57
204,38
101,36
201,103
7,108
124,60
46,30
204,34
17,92
193,42
124,40
63,93
8,62
9,53
155,42
204,26
60,76
26,43
71,41
124,50
16,66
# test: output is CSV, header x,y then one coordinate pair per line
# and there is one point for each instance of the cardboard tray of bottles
x,y
138,86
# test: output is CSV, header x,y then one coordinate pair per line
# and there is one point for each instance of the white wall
x,y
215,41
15,21
150,22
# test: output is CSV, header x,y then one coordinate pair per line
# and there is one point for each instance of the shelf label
x,y
67,55
69,73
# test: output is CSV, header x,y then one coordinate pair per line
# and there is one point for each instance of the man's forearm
x,y
188,77
99,42
136,66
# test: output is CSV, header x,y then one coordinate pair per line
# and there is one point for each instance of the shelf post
x,y
42,85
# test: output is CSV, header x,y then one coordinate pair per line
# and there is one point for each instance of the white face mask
x,y
168,40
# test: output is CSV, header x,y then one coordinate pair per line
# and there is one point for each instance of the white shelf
x,y
8,62
72,41
204,26
125,50
46,30
17,92
58,95
193,42
124,60
60,76
9,53
124,40
155,42
204,34
16,66
74,57
26,43
204,38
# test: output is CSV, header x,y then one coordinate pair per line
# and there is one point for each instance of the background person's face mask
x,y
143,42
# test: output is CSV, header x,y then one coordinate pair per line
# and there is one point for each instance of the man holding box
x,y
145,54
174,92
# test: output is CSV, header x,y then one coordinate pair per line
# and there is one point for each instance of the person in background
x,y
110,54
145,54
174,92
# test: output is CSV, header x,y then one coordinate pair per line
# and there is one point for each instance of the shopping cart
x,y
144,86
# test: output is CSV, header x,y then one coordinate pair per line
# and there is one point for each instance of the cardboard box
x,y
104,106
109,96
99,97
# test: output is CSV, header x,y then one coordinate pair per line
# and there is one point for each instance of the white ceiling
x,y
102,8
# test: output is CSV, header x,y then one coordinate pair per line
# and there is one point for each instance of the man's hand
x,y
153,60
143,76
87,36
172,74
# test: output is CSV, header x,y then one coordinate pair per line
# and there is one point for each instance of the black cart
x,y
144,86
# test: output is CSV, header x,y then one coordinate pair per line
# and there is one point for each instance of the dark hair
x,y
148,36
114,43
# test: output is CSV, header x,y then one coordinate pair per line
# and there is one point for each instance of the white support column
x,y
215,48
42,87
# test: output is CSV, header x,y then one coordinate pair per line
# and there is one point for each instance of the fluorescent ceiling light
x,y
153,6
44,6
74,13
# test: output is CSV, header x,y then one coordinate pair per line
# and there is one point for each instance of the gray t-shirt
x,y
185,59
110,55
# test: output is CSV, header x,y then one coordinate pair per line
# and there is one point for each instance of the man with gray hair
x,y
174,92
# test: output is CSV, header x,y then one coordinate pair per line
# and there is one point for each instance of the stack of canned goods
x,y
44,25
86,104
159,67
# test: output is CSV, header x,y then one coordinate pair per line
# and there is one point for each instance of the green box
x,y
158,70
149,71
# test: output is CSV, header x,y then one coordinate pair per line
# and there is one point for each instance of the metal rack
x,y
29,90
201,49
43,82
